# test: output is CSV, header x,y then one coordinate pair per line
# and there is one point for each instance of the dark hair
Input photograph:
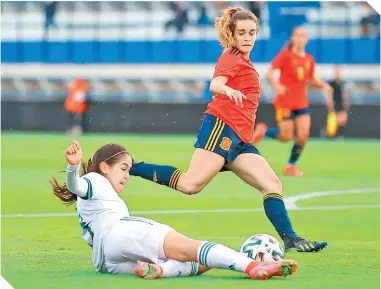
x,y
109,153
226,23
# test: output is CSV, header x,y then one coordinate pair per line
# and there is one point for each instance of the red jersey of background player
x,y
243,77
295,71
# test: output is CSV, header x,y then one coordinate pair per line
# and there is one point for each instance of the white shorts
x,y
133,239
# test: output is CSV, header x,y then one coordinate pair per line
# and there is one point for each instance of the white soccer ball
x,y
263,247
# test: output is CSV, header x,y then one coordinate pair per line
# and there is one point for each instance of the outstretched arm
x,y
74,183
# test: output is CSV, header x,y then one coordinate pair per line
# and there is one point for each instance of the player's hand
x,y
236,95
73,153
280,89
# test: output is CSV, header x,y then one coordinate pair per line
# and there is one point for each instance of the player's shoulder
x,y
95,179
231,55
310,57
98,186
285,52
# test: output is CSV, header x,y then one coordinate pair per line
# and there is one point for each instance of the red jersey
x,y
295,71
243,77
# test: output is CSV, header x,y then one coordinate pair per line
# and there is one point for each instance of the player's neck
x,y
298,51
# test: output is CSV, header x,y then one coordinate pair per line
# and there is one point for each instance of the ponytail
x,y
61,191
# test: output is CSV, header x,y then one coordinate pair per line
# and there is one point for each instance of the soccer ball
x,y
263,247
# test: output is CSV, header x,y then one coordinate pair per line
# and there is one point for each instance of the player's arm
x,y
278,62
74,183
218,86
345,98
271,78
328,90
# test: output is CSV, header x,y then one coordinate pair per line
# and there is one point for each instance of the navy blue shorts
x,y
286,114
216,136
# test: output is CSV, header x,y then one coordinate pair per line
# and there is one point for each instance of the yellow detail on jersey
x,y
154,177
300,73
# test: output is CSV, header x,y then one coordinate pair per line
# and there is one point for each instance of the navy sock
x,y
272,132
161,174
295,154
276,212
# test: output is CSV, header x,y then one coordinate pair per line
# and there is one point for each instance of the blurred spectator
x,y
371,22
203,19
181,16
50,8
255,7
76,104
341,102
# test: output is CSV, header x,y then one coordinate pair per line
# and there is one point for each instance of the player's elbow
x,y
213,87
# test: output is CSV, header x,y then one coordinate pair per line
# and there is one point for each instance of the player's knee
x,y
285,136
273,186
191,187
302,138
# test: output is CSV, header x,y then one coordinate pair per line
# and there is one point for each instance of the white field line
x,y
289,201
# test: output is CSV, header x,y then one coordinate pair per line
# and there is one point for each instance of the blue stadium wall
x,y
349,51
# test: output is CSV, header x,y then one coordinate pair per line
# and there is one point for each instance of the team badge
x,y
226,143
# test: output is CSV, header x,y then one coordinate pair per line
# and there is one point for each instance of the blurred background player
x,y
341,103
119,240
76,104
297,68
224,139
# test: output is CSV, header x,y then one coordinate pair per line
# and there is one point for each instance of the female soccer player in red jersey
x,y
297,68
224,138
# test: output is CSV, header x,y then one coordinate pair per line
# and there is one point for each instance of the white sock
x,y
218,256
173,268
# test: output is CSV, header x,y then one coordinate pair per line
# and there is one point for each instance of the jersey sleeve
x,y
227,65
279,61
74,183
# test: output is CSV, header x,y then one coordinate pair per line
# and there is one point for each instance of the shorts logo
x,y
154,177
226,143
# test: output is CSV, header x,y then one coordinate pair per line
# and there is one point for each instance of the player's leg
x,y
342,119
169,268
203,167
179,247
206,162
254,170
302,125
284,131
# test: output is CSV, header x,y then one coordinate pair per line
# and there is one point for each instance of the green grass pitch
x,y
48,252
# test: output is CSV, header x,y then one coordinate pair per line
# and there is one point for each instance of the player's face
x,y
300,38
245,34
119,173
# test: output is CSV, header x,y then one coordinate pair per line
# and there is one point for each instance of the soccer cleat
x,y
267,270
148,271
292,171
302,245
259,133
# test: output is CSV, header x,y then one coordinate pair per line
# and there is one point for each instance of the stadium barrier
x,y
103,117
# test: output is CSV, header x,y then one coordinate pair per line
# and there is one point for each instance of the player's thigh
x,y
286,129
135,238
342,118
303,126
256,171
